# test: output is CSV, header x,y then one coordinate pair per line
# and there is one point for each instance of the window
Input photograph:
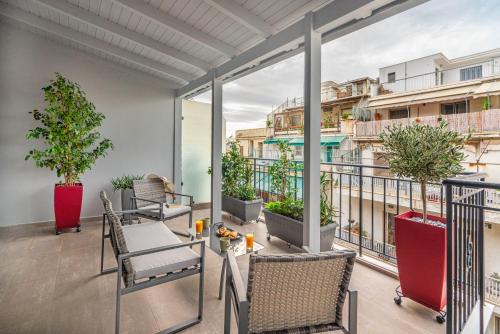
x,y
391,77
453,108
471,73
277,123
296,120
401,113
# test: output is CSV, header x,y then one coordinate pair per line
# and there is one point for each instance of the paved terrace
x,y
50,284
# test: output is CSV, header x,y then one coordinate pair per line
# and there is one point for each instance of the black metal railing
x,y
366,198
467,204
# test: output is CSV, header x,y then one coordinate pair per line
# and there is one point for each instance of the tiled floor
x,y
50,284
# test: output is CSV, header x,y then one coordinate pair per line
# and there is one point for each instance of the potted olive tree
x,y
424,154
238,194
71,144
284,217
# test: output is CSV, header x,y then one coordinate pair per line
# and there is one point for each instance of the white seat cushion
x,y
172,211
151,235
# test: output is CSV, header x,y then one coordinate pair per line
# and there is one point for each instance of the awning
x,y
325,141
438,94
274,140
487,88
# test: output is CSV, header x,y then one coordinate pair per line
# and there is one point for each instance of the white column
x,y
216,187
177,173
312,135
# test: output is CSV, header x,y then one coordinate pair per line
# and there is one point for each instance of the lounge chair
x,y
150,254
151,202
297,293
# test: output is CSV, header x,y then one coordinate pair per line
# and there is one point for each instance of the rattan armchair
x,y
150,254
297,293
150,199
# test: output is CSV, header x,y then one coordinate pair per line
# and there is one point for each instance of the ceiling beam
x,y
93,43
99,22
243,16
173,23
289,40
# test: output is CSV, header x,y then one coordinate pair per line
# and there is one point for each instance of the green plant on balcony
x,y
236,174
423,153
283,185
269,123
125,181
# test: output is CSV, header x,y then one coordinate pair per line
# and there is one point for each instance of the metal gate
x,y
465,206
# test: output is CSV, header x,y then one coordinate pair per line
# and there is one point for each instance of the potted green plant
x,y
68,129
424,154
284,217
238,194
124,184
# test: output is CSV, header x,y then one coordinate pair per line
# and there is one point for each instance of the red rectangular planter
x,y
421,257
67,205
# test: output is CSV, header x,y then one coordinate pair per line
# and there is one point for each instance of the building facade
x,y
251,142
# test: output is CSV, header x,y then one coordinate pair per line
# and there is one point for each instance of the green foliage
x,y
279,172
236,174
289,208
125,181
346,116
423,153
283,185
327,211
68,131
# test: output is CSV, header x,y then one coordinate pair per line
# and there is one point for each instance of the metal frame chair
x,y
152,191
126,271
272,301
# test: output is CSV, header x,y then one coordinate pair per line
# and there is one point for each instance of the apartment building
x,y
340,105
251,142
465,92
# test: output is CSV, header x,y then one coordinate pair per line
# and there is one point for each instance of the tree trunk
x,y
423,191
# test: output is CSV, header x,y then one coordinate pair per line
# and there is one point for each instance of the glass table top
x,y
238,246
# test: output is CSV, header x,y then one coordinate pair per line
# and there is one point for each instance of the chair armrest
x,y
182,195
233,273
353,311
122,257
146,200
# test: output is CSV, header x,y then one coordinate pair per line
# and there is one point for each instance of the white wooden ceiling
x,y
176,40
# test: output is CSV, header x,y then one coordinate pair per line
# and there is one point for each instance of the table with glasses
x,y
238,247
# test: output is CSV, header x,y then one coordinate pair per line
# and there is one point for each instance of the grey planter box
x,y
244,210
127,204
291,230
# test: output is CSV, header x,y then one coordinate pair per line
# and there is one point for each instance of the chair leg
x,y
118,297
222,275
227,305
102,242
201,289
353,312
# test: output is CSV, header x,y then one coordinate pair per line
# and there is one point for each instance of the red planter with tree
x,y
71,145
426,155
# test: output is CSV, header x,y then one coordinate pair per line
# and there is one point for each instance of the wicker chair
x,y
150,254
151,202
297,293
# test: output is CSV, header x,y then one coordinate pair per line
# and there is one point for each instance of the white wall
x,y
139,121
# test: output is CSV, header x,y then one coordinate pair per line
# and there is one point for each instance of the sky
x,y
453,27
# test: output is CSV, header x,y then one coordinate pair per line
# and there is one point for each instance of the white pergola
x,y
196,45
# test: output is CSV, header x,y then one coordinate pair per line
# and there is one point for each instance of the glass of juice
x,y
199,227
249,240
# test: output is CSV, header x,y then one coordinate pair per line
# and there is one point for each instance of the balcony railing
x,y
492,289
368,205
474,122
438,78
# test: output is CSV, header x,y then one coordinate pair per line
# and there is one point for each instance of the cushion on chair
x,y
168,212
151,235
